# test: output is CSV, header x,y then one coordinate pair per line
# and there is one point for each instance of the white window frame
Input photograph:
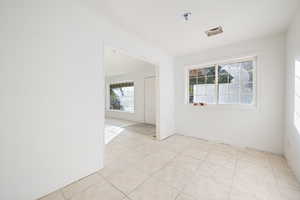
x,y
296,96
254,104
108,96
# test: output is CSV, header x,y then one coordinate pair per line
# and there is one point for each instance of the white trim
x,y
252,106
121,111
149,77
218,62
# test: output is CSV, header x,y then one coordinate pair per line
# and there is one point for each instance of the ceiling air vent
x,y
214,31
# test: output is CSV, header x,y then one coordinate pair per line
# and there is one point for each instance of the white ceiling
x,y
158,21
117,62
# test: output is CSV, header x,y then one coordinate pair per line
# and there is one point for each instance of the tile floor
x,y
142,128
137,167
113,127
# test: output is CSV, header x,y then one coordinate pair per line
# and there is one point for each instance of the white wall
x,y
139,93
51,87
260,128
292,137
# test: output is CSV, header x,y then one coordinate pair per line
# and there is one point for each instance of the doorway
x,y
130,95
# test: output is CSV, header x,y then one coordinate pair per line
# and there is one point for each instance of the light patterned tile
x,y
186,163
155,162
244,195
116,165
154,189
254,156
221,158
290,194
244,166
174,176
127,179
207,188
258,186
225,148
81,185
198,150
73,189
184,197
273,192
286,178
91,180
278,161
102,191
53,196
198,168
113,152
176,143
220,174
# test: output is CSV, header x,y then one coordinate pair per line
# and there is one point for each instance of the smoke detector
x,y
214,31
186,15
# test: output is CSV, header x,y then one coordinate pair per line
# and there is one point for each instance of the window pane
x,y
236,83
229,83
210,79
122,97
193,73
202,86
247,88
247,85
193,81
201,80
247,65
246,98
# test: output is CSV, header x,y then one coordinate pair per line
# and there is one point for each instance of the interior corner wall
x,y
292,136
139,95
52,92
260,128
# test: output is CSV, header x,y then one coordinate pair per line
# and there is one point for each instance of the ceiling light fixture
x,y
214,31
186,15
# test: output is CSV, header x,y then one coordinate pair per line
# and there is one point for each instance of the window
x,y
297,96
228,83
122,96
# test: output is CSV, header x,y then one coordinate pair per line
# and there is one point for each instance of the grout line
x,y
62,194
233,176
151,175
202,161
110,183
78,181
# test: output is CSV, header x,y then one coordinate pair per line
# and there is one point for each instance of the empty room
x,y
150,100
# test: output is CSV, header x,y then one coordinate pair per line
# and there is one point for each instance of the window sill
x,y
227,107
121,111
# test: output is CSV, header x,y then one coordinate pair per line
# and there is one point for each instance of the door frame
x,y
156,66
148,77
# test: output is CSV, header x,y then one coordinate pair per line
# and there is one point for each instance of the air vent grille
x,y
214,31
